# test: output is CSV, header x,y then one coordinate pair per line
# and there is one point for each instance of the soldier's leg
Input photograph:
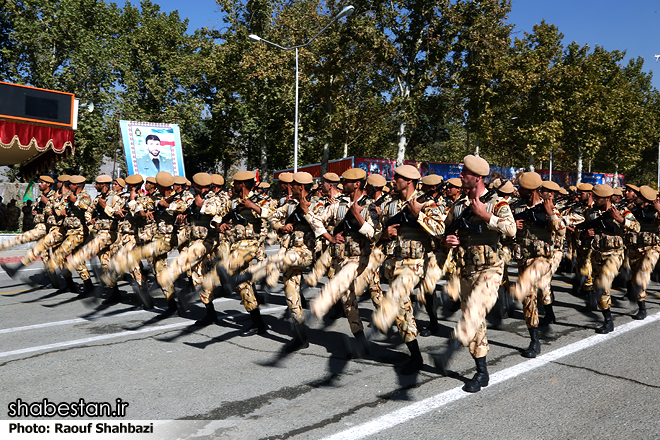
x,y
333,290
86,252
38,232
321,266
642,267
605,268
52,238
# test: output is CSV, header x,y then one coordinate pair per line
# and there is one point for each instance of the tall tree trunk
x,y
264,159
615,180
579,166
531,163
401,151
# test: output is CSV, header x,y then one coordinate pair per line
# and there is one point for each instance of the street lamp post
x,y
348,10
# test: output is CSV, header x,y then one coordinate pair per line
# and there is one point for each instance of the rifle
x,y
234,213
347,223
642,214
403,217
461,222
599,222
297,216
535,214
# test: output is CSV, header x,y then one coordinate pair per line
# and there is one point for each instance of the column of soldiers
x,y
423,230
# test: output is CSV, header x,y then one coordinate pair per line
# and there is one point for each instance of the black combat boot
x,y
171,309
416,362
433,316
89,288
441,360
578,282
11,270
534,345
210,318
231,282
258,326
299,340
114,298
593,296
549,317
480,378
71,286
641,314
361,347
608,325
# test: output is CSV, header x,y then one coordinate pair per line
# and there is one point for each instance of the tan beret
x,y
264,185
455,182
104,178
584,187
46,178
408,172
354,174
631,186
507,188
563,191
618,191
497,182
530,180
77,180
648,193
376,180
315,186
218,180
188,182
180,180
64,178
151,179
121,182
432,179
134,179
386,189
203,179
164,179
477,165
286,177
340,186
303,178
331,177
603,190
549,184
572,187
242,176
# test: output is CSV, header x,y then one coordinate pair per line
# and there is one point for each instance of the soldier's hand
x,y
478,207
149,215
337,239
224,227
43,198
286,229
180,219
519,224
549,207
656,204
616,214
199,201
452,241
588,233
304,204
414,207
391,231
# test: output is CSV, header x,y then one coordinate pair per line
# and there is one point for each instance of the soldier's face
x,y
116,187
546,194
296,190
469,179
600,202
350,186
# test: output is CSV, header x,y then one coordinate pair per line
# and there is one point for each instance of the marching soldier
x,y
351,243
407,225
603,231
583,271
285,187
480,266
644,247
537,221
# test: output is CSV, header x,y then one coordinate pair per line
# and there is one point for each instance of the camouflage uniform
x,y
643,250
55,235
480,268
352,256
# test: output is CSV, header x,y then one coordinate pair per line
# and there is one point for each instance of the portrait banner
x,y
151,147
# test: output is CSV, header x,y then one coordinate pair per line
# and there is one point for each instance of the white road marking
x,y
433,403
62,344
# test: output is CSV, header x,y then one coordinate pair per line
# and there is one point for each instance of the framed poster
x,y
151,147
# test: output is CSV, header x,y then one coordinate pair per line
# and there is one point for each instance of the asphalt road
x,y
211,382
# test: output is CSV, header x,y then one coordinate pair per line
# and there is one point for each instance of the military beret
x,y
549,184
64,178
633,187
286,177
584,187
386,189
331,177
264,185
603,190
572,188
507,188
104,178
121,182
563,191
315,186
203,179
376,180
188,182
151,179
218,180
340,186
46,178
432,179
134,179
618,191
455,182
530,180
477,165
648,193
303,178
164,179
180,180
408,172
77,179
242,176
495,183
354,174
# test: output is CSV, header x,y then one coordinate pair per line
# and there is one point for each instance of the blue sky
x,y
633,25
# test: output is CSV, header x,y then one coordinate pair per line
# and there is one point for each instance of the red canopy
x,y
37,147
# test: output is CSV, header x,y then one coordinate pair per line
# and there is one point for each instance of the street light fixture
x,y
348,10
